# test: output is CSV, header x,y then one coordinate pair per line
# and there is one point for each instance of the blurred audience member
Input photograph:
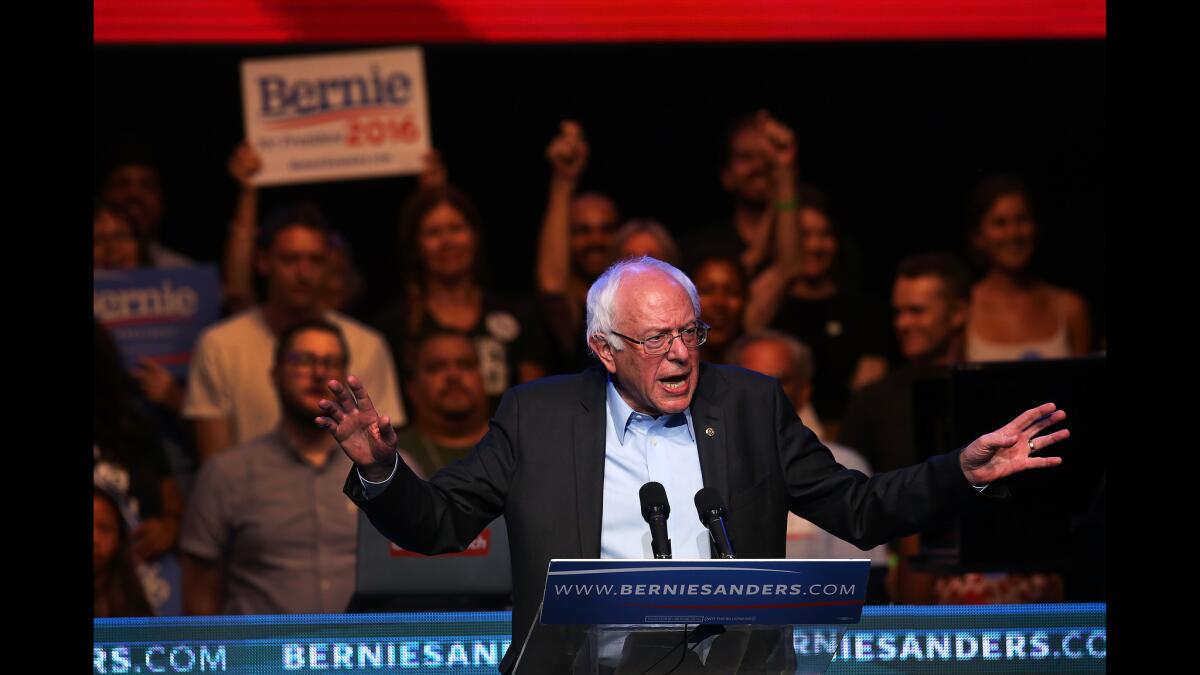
x,y
929,305
846,331
267,529
760,174
133,184
1014,315
116,247
643,236
721,284
129,462
574,246
449,406
230,396
116,589
344,285
115,244
786,359
929,310
440,248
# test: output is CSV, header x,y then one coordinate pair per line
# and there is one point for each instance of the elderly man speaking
x,y
565,456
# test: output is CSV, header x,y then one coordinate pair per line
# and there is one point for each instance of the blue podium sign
x,y
705,591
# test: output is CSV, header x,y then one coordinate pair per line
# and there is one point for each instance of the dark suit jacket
x,y
541,466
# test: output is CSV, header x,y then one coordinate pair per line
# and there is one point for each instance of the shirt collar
x,y
621,413
285,442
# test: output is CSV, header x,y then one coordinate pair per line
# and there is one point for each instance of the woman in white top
x,y
1015,315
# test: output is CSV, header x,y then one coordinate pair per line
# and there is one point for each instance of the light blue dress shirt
x,y
639,449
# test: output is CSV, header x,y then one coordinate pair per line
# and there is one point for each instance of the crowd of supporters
x,y
209,488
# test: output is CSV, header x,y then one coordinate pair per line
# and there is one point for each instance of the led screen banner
x,y
457,21
1068,638
337,116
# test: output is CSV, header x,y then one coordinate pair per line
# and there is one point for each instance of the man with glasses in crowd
x,y
565,456
266,530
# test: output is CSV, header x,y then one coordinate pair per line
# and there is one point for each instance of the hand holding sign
x,y
157,383
244,164
336,116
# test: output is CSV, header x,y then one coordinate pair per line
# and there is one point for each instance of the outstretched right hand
x,y
366,437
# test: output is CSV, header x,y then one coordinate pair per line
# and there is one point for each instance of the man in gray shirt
x,y
267,529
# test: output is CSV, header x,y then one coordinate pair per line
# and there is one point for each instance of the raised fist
x,y
568,151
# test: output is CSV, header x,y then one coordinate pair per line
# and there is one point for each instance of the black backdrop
x,y
898,132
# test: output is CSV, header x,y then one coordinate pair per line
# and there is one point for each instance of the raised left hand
x,y
1007,450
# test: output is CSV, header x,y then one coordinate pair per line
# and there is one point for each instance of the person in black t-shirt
x,y
847,331
440,235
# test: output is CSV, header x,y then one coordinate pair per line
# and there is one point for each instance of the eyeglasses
x,y
655,345
308,360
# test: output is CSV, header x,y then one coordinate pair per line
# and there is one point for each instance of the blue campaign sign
x,y
157,313
769,592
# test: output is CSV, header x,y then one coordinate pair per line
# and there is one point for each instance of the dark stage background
x,y
897,132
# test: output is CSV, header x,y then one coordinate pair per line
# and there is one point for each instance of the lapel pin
x,y
710,432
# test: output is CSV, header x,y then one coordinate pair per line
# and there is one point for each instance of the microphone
x,y
712,514
655,510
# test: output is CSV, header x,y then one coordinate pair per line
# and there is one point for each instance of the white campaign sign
x,y
336,116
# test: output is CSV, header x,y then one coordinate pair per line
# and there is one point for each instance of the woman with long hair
x,y
116,589
1014,314
129,462
440,236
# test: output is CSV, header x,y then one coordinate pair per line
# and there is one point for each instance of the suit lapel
x,y
711,431
588,442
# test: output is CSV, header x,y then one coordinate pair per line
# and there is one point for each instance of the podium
x,y
653,617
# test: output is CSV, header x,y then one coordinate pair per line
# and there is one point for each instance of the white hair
x,y
603,295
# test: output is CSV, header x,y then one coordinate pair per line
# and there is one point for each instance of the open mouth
x,y
674,382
